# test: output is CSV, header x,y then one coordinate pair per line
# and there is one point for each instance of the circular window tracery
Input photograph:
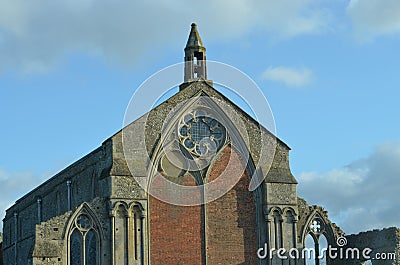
x,y
317,226
200,134
83,222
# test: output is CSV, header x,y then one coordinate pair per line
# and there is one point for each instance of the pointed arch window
x,y
317,242
84,242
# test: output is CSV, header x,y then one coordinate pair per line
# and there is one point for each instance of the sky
x,y
329,70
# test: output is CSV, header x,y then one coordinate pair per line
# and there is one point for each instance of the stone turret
x,y
195,57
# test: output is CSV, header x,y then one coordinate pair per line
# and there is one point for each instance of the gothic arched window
x,y
316,243
83,242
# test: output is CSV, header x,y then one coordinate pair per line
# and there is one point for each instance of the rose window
x,y
201,135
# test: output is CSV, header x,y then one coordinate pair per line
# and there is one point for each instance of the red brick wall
x,y
176,232
231,228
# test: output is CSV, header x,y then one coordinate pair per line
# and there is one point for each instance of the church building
x,y
172,187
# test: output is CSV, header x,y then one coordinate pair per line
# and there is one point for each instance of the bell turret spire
x,y
194,40
195,57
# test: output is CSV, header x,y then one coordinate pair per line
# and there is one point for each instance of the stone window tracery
x,y
83,242
316,226
317,241
201,134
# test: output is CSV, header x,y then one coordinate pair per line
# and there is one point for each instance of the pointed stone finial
x,y
194,40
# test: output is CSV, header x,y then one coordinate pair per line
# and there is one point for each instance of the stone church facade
x,y
96,212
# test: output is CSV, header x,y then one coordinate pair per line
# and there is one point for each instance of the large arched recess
x,y
184,234
232,221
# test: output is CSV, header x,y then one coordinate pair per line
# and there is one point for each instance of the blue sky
x,y
329,69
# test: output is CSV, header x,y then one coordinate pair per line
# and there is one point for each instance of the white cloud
x,y
34,35
373,18
289,76
13,186
361,196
